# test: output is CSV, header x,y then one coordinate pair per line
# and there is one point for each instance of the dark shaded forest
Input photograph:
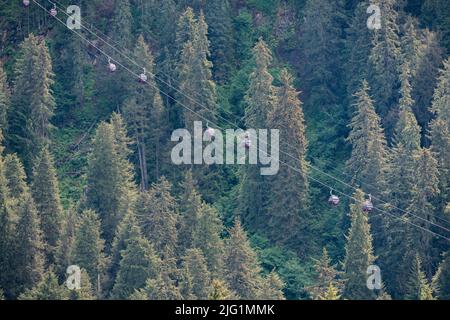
x,y
358,210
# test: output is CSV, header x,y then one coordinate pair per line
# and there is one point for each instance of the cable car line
x,y
138,76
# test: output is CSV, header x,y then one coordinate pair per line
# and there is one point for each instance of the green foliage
x,y
4,99
109,180
88,247
327,284
139,263
33,104
47,289
45,191
359,253
156,213
29,257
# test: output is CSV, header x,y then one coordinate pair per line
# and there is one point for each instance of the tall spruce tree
x,y
156,213
66,243
6,234
242,265
358,45
260,100
418,287
358,252
369,153
165,286
198,100
327,278
5,99
441,280
29,257
385,59
320,45
139,263
189,203
426,76
289,189
272,288
16,177
127,230
32,104
200,226
219,18
110,191
440,133
194,268
47,289
400,179
45,190
424,192
220,291
144,112
88,248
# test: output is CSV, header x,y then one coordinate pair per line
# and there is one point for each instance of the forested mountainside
x,y
359,208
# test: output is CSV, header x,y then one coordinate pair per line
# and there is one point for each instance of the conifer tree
x,y
128,230
195,269
157,21
441,280
4,99
400,179
260,97
85,292
326,281
32,104
359,252
358,45
189,204
139,263
418,287
424,192
144,112
320,45
47,289
385,59
425,81
440,132
219,18
289,188
209,239
185,30
369,152
271,288
29,256
242,265
66,244
122,23
110,191
199,226
332,293
156,213
410,45
195,76
260,100
88,251
16,177
164,287
6,233
220,291
368,143
45,190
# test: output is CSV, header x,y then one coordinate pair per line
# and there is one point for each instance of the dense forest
x,y
87,115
